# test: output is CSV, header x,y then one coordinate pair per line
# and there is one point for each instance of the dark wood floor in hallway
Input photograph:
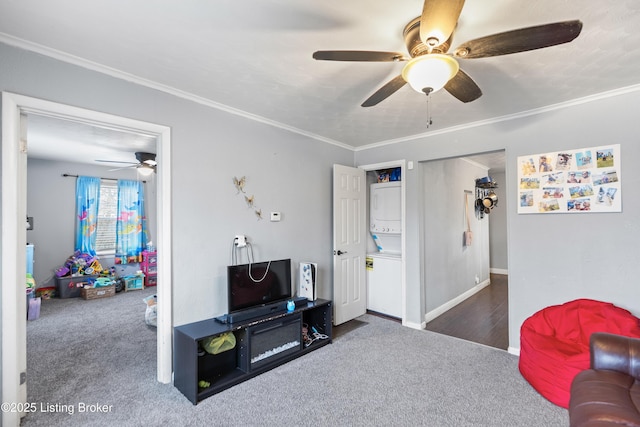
x,y
482,318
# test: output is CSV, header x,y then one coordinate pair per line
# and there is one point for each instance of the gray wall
x,y
551,258
450,268
285,172
292,174
498,227
51,202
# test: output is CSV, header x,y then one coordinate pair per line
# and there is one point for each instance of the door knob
x,y
340,252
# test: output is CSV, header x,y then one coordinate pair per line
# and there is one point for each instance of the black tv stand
x,y
261,311
262,343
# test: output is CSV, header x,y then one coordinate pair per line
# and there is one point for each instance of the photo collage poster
x,y
572,181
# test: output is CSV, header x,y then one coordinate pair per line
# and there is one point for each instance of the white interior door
x,y
349,244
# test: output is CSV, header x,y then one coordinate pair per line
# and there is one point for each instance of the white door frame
x,y
14,234
402,164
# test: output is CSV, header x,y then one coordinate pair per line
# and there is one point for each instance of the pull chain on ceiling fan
x,y
430,67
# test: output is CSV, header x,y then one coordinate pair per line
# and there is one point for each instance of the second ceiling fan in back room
x,y
146,163
430,67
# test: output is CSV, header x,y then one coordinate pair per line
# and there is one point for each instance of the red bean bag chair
x,y
554,343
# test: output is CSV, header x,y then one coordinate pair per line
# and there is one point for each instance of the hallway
x,y
482,318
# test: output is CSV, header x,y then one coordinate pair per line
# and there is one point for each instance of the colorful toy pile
x,y
80,264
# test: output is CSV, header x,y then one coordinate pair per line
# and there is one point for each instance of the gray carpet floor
x,y
100,352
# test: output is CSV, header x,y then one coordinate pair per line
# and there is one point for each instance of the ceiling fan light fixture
x,y
430,73
145,170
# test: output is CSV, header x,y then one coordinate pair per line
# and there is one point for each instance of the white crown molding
x,y
113,72
81,62
535,111
474,163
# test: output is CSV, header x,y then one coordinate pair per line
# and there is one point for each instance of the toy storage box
x,y
149,267
71,287
133,283
101,292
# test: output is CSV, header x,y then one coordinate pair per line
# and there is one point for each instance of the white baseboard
x,y
457,300
499,271
514,351
414,325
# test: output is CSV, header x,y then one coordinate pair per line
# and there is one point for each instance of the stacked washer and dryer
x,y
384,267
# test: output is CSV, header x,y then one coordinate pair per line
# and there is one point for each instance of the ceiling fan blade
x,y
358,55
117,161
520,40
463,87
438,20
385,91
124,167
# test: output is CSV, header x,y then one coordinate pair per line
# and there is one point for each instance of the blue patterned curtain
x,y
87,201
131,223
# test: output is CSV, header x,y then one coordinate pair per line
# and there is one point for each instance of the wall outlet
x,y
240,241
477,280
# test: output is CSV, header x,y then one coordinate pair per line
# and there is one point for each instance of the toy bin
x,y
133,282
71,287
101,292
30,296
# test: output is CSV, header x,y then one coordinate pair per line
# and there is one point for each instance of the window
x,y
107,215
110,218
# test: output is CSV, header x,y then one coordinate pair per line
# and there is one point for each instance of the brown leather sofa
x,y
608,394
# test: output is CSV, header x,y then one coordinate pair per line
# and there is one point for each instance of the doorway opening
x,y
471,304
14,175
386,283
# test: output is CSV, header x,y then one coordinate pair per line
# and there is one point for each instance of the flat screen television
x,y
258,284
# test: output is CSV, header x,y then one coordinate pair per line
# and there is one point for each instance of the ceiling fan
x,y
430,67
146,163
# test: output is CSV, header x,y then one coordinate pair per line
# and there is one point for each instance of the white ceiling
x,y
55,138
254,57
